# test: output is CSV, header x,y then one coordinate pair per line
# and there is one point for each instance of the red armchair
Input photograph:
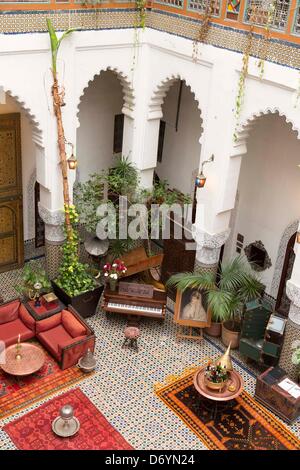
x,y
14,321
66,336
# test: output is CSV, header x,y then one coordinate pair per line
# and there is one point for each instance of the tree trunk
x,y
57,102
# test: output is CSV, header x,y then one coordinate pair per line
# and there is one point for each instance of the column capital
x,y
54,221
293,293
209,245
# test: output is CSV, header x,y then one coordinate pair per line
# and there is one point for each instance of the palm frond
x,y
222,304
188,280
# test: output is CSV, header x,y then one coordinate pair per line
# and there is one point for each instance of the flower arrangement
x,y
216,376
113,271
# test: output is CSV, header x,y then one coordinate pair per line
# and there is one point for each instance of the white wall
x,y
101,101
28,164
269,187
181,151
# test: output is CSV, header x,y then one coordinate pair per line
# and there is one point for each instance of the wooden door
x,y
283,302
11,207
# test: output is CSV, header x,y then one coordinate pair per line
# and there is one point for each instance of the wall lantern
x,y
298,237
201,178
72,160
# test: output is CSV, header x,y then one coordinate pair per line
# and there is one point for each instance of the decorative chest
x,y
278,400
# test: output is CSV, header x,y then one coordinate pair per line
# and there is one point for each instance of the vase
x,y
113,284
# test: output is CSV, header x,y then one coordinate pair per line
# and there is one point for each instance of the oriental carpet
x,y
242,424
19,392
33,431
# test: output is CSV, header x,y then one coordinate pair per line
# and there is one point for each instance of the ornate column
x,y
54,238
208,249
292,329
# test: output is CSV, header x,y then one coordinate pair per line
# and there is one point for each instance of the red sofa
x,y
14,321
66,336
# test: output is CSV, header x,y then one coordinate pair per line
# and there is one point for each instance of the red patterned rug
x,y
18,392
33,431
244,425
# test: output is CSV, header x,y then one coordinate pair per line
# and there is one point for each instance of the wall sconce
x,y
201,178
298,237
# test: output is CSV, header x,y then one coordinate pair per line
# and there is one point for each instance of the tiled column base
x,y
292,333
53,258
206,267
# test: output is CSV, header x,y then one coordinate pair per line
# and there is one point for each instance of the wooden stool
x,y
131,334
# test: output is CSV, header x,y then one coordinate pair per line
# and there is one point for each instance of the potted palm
x,y
227,296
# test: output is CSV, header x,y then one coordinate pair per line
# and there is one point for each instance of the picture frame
x,y
191,309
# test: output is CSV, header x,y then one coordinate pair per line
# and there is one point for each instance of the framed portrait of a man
x,y
191,309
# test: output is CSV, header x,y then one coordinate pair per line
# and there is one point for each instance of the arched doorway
x,y
100,134
283,302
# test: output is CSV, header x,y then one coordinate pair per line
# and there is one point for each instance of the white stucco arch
x,y
160,91
128,92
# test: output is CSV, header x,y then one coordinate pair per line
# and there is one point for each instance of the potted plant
x,y
112,272
75,284
227,296
34,281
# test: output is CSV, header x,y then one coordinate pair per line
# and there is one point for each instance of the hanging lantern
x,y
72,162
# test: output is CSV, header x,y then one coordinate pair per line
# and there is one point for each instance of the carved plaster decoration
x,y
293,293
209,245
294,315
54,221
30,204
289,231
267,261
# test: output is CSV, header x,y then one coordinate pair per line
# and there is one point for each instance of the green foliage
x,y
55,42
226,299
87,197
123,178
141,9
30,276
73,277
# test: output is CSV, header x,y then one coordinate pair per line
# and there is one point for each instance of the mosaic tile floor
x,y
122,387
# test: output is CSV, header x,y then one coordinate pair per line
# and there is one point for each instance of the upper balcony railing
x,y
280,17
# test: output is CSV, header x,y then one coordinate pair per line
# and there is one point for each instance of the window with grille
x,y
260,13
171,3
202,5
297,20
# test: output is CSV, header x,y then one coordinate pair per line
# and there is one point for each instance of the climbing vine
x,y
204,28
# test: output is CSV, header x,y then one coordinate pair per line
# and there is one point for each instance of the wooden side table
x,y
40,313
274,397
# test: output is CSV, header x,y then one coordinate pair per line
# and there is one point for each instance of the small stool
x,y
131,334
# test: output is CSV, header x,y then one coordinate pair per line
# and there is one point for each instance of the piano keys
x,y
154,307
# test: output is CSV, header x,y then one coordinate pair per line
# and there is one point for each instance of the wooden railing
x,y
281,17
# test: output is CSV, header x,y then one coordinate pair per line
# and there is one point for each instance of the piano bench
x,y
131,334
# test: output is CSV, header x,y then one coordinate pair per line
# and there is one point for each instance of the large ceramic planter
x,y
85,304
214,329
230,336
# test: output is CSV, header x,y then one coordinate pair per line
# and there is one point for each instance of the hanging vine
x,y
266,39
139,23
242,80
204,28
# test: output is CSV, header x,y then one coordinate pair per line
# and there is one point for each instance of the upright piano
x,y
154,307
